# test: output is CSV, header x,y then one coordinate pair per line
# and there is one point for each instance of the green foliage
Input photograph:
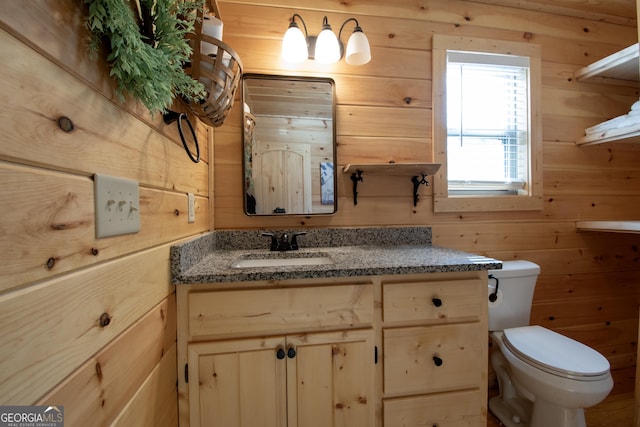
x,y
148,69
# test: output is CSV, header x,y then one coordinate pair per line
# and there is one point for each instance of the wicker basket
x,y
220,73
249,124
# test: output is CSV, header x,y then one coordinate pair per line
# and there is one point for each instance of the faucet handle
x,y
274,241
294,240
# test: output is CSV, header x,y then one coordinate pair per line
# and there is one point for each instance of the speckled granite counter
x,y
352,251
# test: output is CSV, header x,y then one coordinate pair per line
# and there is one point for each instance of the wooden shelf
x,y
626,132
610,226
407,169
417,172
622,65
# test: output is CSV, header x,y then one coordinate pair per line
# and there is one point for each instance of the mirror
x,y
289,145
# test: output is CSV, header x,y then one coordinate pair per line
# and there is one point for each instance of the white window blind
x,y
487,122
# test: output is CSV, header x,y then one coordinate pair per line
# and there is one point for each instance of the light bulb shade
x,y
358,50
327,47
294,45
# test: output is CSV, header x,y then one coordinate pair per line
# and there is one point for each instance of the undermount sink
x,y
281,259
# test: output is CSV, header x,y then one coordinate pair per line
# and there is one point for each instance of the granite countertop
x,y
353,252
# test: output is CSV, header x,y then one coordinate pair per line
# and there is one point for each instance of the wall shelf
x,y
632,227
395,168
417,171
622,67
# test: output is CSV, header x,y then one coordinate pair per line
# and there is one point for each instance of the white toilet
x,y
545,379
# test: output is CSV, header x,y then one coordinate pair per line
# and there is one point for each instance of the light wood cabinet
x,y
435,352
295,356
323,379
405,350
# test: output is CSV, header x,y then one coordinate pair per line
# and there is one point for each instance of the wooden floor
x,y
615,411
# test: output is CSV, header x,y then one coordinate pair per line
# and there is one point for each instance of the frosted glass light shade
x,y
358,50
327,47
294,45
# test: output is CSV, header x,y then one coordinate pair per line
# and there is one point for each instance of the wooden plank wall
x,y
590,282
57,279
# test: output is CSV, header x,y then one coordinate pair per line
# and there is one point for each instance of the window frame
x,y
531,197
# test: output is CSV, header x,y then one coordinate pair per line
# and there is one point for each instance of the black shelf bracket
x,y
416,184
355,177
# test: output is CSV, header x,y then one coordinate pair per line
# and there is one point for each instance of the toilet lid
x,y
555,353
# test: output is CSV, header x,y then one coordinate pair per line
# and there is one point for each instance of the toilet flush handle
x,y
493,296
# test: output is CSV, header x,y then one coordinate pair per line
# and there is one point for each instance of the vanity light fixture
x,y
325,48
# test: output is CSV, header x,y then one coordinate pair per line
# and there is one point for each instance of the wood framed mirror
x,y
289,145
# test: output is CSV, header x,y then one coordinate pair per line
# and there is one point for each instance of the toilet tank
x,y
512,308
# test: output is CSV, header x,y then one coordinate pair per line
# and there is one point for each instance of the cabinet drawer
x,y
427,359
276,310
433,301
457,409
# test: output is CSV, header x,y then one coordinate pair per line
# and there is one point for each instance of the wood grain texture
x,y
47,73
376,124
109,379
58,279
42,349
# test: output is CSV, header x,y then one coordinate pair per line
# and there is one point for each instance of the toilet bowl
x,y
557,391
545,379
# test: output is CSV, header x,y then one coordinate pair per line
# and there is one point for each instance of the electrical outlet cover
x,y
191,202
117,206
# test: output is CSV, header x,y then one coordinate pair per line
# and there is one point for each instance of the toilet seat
x,y
556,354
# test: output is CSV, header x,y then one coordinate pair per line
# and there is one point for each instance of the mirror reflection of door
x,y
289,145
284,183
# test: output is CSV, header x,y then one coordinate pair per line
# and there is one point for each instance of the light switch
x,y
117,206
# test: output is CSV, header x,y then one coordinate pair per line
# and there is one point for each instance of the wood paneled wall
x,y
590,283
57,279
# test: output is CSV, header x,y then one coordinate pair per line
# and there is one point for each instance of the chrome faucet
x,y
283,244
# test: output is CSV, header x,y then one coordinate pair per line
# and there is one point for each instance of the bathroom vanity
x,y
391,333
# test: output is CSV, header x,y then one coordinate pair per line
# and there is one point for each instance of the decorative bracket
x,y
395,169
416,185
355,177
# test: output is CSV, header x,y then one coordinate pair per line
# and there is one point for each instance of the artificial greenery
x,y
149,67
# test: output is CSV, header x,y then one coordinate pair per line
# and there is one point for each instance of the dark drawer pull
x,y
437,302
437,361
291,353
280,353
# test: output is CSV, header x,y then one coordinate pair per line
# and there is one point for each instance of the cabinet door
x,y
331,379
240,383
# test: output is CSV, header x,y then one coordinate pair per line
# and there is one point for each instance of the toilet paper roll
x,y
213,27
498,300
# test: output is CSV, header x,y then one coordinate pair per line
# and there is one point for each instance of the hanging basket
x,y
249,124
219,72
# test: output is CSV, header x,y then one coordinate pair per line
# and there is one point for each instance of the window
x,y
486,125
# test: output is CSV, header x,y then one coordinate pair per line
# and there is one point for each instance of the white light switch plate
x,y
117,206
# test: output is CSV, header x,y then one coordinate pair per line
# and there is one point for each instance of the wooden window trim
x,y
442,201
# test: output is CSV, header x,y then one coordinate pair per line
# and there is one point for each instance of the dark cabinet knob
x,y
437,302
437,361
280,353
291,353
